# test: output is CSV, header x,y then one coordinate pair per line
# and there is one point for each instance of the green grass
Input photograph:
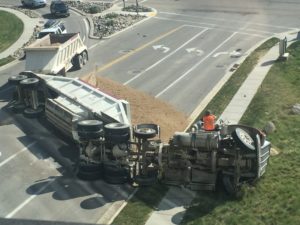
x,y
139,208
226,93
6,60
11,27
276,197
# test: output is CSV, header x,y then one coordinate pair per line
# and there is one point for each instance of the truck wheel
x,y
145,181
117,138
145,133
33,113
89,125
90,134
243,139
78,61
231,188
15,80
115,175
116,129
84,57
30,83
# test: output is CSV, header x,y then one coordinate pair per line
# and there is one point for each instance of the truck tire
x,y
116,129
30,83
84,57
230,187
89,125
115,175
243,139
145,133
89,170
143,181
33,113
15,80
78,61
117,138
87,135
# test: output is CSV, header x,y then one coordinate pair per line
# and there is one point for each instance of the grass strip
x,y
275,199
139,208
11,28
6,60
226,93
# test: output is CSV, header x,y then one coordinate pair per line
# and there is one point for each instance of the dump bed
x,y
53,53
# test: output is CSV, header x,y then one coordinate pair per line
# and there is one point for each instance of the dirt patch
x,y
144,108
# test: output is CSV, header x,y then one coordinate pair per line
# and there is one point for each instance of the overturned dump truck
x,y
113,149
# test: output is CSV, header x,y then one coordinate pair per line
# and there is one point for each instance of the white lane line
x,y
83,39
167,56
255,35
195,66
185,21
12,213
93,46
16,154
258,31
226,20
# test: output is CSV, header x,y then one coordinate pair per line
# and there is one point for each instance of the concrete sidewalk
x,y
29,25
171,208
242,99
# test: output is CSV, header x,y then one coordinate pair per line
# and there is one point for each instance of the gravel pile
x,y
110,23
90,7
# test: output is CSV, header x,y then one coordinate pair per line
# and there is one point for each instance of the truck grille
x,y
262,158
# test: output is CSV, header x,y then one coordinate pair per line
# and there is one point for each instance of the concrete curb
x,y
195,114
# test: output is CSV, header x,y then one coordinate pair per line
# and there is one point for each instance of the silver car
x,y
34,3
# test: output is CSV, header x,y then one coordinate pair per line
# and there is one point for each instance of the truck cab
x,y
58,28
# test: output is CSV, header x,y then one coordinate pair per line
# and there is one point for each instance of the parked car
x,y
34,3
59,8
56,28
51,23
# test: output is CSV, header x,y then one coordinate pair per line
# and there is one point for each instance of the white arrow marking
x,y
162,47
235,54
166,49
157,47
189,50
220,53
198,51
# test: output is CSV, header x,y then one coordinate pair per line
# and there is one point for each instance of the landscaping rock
x,y
296,109
90,7
110,23
269,127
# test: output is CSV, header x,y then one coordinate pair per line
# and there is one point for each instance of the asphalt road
x,y
177,56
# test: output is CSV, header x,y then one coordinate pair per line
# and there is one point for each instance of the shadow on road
x,y
65,188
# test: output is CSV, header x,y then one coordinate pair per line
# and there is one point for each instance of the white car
x,y
58,28
34,3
